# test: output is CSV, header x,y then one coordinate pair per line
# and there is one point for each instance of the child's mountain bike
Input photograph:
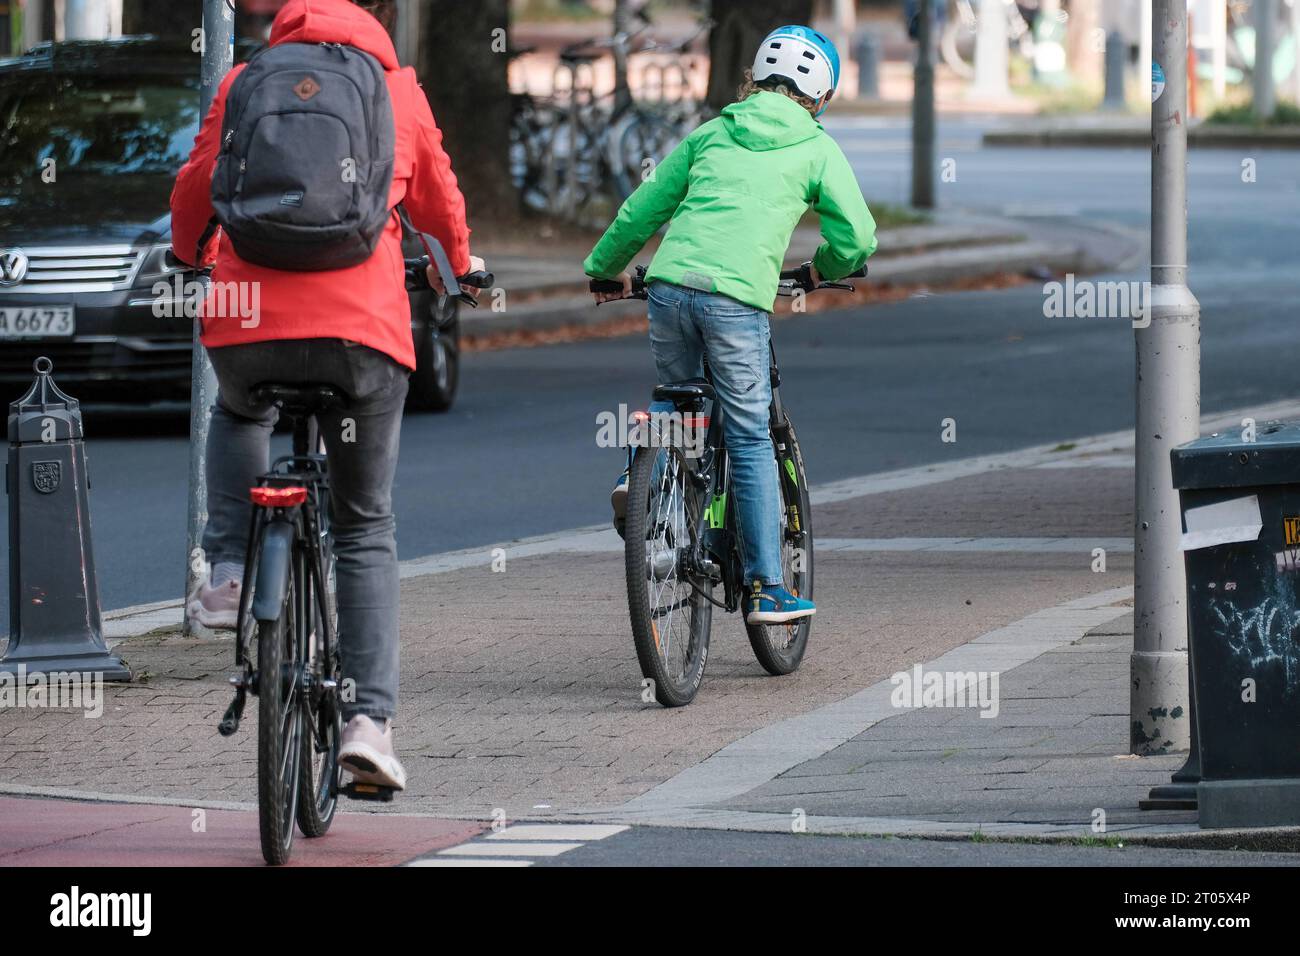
x,y
680,537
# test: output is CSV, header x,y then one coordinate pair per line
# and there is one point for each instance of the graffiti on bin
x,y
1263,634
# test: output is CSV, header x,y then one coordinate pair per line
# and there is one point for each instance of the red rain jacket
x,y
366,303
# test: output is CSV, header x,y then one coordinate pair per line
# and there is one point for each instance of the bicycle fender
x,y
273,571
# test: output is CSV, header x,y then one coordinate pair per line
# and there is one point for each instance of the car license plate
x,y
37,322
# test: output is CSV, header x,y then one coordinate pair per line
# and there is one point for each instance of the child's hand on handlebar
x,y
625,279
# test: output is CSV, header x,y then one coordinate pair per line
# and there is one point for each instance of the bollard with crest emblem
x,y
54,622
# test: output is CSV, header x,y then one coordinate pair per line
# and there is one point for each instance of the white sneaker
x,y
216,608
366,752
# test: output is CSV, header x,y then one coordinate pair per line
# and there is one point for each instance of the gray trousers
x,y
361,442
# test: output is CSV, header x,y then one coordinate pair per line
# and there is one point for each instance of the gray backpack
x,y
306,159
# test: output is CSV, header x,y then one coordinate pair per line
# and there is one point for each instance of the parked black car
x,y
92,134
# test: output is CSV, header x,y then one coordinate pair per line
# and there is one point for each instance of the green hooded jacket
x,y
734,191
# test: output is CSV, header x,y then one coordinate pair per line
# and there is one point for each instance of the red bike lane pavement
x,y
40,831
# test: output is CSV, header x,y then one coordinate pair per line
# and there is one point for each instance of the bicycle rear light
x,y
265,497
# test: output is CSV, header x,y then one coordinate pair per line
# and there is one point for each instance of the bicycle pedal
x,y
368,791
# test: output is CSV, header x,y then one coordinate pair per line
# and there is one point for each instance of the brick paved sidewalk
x,y
521,689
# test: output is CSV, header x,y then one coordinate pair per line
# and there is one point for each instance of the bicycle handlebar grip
x,y
605,285
417,276
478,280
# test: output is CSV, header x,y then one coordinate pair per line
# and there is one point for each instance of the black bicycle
x,y
287,610
680,530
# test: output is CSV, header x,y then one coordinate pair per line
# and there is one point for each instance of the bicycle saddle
x,y
690,390
299,398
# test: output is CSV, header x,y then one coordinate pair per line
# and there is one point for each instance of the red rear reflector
x,y
696,421
277,497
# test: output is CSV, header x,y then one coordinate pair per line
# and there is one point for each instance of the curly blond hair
x,y
750,87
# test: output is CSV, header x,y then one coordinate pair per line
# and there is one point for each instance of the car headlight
x,y
159,263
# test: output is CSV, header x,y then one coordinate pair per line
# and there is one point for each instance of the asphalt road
x,y
868,388
664,846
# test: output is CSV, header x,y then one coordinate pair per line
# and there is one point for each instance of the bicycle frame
x,y
717,544
282,540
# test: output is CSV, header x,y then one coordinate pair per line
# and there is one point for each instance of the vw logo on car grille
x,y
13,267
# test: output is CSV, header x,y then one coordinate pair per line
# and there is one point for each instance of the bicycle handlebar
x,y
417,275
613,285
798,278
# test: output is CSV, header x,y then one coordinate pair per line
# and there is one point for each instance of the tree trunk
x,y
1083,43
739,25
462,66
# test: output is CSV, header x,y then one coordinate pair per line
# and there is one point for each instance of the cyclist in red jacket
x,y
347,327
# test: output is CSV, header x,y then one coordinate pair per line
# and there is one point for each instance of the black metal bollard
x,y
54,622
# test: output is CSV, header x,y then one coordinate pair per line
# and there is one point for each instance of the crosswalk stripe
x,y
557,831
509,849
467,861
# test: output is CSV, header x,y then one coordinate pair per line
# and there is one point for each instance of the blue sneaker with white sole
x,y
773,604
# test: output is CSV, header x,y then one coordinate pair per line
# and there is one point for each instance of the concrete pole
x,y
923,110
1144,44
218,57
1265,16
408,33
1219,48
1168,414
1295,41
990,51
846,25
35,29
622,27
87,20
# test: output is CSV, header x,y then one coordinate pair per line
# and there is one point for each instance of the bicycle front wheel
x,y
780,647
279,729
670,615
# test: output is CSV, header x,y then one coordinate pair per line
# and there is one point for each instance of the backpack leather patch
x,y
307,88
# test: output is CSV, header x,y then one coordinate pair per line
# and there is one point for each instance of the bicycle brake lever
x,y
842,286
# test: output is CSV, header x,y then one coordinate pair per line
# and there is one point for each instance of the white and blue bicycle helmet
x,y
801,58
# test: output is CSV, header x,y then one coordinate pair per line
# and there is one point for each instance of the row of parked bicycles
x,y
575,144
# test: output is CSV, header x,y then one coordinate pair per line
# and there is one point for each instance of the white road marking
x,y
509,849
1034,545
521,840
466,861
557,831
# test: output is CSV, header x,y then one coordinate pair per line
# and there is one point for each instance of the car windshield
x,y
97,126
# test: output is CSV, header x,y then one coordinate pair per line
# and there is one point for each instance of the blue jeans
x,y
684,325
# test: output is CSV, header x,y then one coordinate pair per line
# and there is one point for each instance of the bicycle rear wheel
x,y
318,780
780,647
670,616
279,728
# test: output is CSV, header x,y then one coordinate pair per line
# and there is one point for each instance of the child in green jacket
x,y
733,192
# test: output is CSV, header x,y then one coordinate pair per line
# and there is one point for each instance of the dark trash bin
x,y
1240,504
